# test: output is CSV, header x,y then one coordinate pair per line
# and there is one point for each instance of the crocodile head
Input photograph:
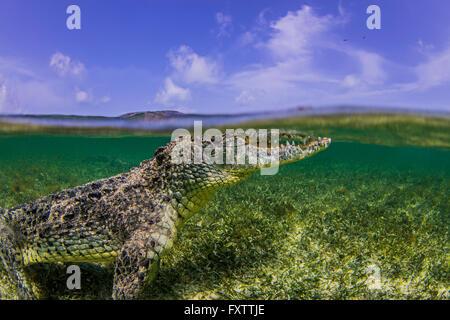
x,y
189,184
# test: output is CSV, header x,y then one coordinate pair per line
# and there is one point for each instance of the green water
x,y
32,166
312,231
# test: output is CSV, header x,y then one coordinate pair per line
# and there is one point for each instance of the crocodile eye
x,y
159,155
158,151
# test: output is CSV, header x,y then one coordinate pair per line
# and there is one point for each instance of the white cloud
x,y
40,93
82,96
295,74
105,99
261,17
192,68
247,38
371,63
424,48
244,98
307,63
172,92
88,96
14,67
3,95
291,74
64,65
351,81
252,36
371,69
435,71
225,24
283,84
294,34
21,89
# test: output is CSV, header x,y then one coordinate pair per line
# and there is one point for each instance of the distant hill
x,y
158,115
165,117
169,114
152,115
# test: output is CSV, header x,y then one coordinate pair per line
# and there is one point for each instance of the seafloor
x,y
366,219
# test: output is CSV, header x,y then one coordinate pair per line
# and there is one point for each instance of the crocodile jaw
x,y
290,152
188,187
286,153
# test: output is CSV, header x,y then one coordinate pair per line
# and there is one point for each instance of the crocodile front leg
x,y
138,262
13,282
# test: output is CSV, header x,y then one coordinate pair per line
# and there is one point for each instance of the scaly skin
x,y
131,219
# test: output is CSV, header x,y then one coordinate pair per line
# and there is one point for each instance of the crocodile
x,y
130,220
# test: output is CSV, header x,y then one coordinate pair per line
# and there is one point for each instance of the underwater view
x,y
368,218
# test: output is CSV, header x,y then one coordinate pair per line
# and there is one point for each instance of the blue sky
x,y
221,56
